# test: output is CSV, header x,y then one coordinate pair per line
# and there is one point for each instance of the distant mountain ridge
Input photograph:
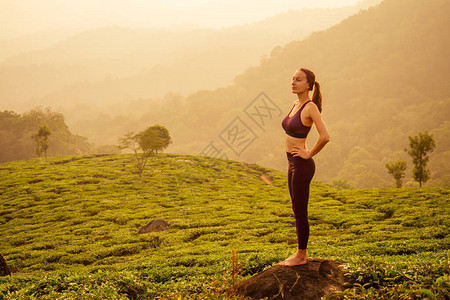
x,y
140,62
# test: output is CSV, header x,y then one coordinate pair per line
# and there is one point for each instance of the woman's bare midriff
x,y
292,141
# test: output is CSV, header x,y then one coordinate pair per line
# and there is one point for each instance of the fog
x,y
30,16
89,49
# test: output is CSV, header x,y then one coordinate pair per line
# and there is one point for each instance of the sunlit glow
x,y
19,17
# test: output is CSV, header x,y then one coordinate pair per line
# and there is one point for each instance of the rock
x,y
317,278
4,270
155,225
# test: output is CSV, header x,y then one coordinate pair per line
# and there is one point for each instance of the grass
x,y
68,228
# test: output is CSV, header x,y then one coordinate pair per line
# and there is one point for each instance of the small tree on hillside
x,y
397,170
41,139
419,148
155,138
148,141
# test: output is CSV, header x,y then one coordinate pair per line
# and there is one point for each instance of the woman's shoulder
x,y
312,109
310,104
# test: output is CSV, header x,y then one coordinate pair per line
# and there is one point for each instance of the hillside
x,y
30,42
111,64
69,229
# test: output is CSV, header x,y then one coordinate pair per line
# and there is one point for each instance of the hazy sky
x,y
27,16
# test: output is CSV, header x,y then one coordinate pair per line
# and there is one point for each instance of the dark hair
x,y
317,95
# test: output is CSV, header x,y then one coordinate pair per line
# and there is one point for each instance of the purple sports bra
x,y
294,126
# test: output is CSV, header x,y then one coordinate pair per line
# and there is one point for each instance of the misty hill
x,y
69,228
111,64
10,47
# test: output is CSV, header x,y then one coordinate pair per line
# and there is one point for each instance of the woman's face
x,y
299,82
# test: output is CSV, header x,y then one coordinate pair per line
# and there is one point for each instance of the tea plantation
x,y
69,230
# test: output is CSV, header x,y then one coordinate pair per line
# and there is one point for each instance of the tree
x,y
397,170
41,138
151,140
419,148
154,138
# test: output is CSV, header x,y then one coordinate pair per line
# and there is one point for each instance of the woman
x,y
297,124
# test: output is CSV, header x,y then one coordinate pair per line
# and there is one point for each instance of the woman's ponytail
x,y
317,96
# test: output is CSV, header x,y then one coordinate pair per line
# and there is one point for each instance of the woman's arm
x,y
324,136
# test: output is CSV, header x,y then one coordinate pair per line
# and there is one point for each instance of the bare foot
x,y
300,257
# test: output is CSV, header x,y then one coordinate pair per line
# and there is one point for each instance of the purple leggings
x,y
300,174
